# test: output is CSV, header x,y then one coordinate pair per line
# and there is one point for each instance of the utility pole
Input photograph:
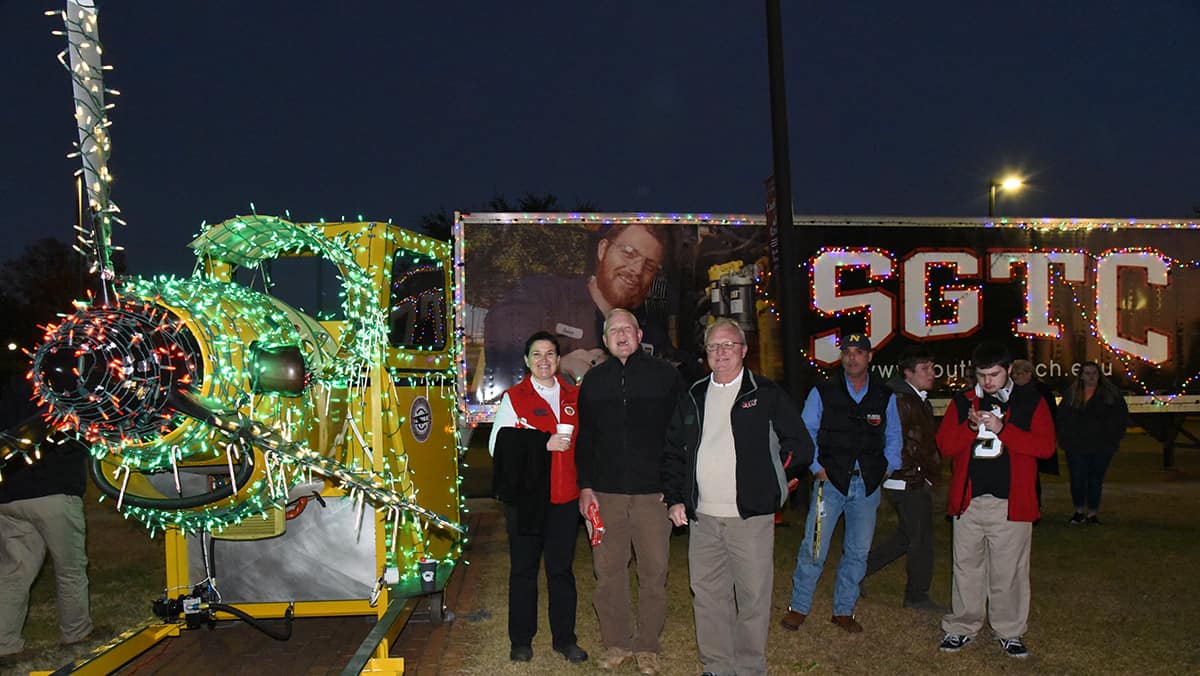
x,y
787,284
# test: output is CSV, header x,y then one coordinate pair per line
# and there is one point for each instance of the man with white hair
x,y
625,403
733,423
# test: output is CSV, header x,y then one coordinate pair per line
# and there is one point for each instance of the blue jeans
x,y
860,510
1087,478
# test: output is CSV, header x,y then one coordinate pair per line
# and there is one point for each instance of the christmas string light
x,y
166,372
82,59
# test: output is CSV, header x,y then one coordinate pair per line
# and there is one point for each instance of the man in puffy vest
x,y
993,434
853,421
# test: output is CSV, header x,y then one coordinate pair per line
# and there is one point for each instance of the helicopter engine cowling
x,y
180,381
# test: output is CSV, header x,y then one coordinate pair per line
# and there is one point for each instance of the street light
x,y
1010,184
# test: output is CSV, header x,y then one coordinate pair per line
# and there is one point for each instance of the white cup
x,y
565,428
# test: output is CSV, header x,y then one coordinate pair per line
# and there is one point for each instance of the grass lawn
x,y
126,571
1119,598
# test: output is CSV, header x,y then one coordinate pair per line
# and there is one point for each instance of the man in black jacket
x,y
741,425
624,406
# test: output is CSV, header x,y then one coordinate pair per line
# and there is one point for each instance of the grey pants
x,y
732,566
28,529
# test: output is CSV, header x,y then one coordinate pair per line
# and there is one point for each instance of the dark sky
x,y
393,110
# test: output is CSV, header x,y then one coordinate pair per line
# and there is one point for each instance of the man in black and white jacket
x,y
740,425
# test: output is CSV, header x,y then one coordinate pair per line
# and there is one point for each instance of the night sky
x,y
394,110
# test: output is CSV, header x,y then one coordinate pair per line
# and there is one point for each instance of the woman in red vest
x,y
534,476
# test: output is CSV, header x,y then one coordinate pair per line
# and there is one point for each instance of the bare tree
x,y
439,223
38,285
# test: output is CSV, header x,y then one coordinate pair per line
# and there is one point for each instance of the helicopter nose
x,y
61,369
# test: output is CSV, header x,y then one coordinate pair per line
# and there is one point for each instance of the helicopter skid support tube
x,y
244,471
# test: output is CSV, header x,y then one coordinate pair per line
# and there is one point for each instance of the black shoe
x,y
520,653
1014,647
1076,519
1093,520
572,653
952,643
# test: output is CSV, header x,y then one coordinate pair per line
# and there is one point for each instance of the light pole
x,y
1010,184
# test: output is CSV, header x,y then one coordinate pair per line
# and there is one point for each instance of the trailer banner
x,y
1058,292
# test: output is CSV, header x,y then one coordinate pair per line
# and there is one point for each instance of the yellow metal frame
x,y
386,405
109,657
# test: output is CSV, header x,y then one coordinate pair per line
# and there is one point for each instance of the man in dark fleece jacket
x,y
625,404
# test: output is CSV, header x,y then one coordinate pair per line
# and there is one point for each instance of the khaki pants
x,y
28,529
991,570
640,522
732,566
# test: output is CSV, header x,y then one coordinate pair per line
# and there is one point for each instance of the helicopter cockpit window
x,y
417,312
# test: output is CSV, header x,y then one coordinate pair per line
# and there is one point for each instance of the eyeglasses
x,y
632,256
721,347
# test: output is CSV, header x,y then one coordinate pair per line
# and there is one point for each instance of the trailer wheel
x,y
437,607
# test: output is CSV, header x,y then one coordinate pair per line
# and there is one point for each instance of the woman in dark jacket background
x,y
1091,423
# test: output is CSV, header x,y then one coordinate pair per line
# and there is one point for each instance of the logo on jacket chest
x,y
750,404
874,419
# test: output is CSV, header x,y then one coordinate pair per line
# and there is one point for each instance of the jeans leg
x,y
860,510
1077,466
1097,468
808,570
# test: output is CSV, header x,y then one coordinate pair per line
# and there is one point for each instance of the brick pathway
x,y
321,646
436,650
318,646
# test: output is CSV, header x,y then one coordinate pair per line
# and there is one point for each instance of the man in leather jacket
x,y
908,488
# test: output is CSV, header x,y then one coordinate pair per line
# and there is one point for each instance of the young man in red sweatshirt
x,y
993,434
